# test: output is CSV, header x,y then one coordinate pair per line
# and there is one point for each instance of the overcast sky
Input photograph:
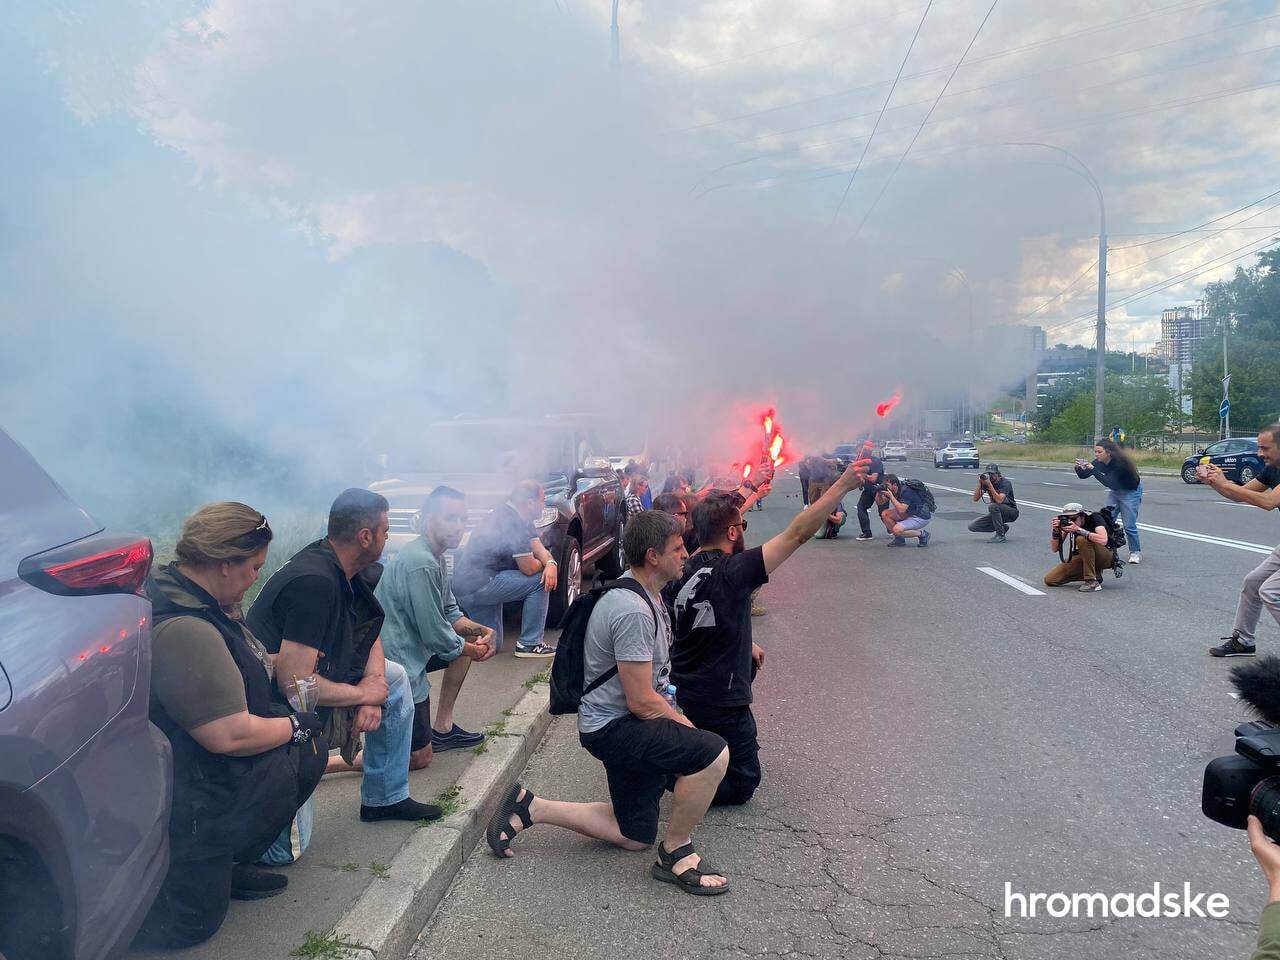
x,y
291,213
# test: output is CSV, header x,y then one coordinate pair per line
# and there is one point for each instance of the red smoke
x,y
882,409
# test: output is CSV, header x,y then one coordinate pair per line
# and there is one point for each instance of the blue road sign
x,y
1224,409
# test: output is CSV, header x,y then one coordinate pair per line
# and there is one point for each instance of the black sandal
x,y
690,881
500,823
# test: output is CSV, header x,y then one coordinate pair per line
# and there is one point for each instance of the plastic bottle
x,y
670,695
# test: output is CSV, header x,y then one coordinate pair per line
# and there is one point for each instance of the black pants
x,y
191,905
864,504
998,518
804,490
737,727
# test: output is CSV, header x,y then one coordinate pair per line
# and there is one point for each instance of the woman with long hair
x,y
242,762
1115,470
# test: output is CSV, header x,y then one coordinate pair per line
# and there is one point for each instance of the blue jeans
x,y
386,768
1129,502
485,605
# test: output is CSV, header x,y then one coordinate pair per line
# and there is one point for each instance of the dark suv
x,y
85,778
1238,459
581,523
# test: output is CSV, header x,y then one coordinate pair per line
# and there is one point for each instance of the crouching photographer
x,y
1002,509
1079,538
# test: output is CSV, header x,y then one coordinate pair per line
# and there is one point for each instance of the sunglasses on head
x,y
259,534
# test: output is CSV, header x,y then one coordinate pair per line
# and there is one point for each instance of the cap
x,y
1072,508
993,468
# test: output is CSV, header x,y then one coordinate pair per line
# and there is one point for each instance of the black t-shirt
x,y
310,601
1006,487
501,537
711,647
1270,477
876,469
1091,523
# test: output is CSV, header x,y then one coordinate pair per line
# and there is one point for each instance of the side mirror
x,y
1200,452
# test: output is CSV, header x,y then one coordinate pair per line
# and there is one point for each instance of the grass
x,y
1066,453
449,800
543,677
380,870
327,946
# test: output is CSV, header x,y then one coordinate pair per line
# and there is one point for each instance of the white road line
x,y
1148,527
1011,581
1050,483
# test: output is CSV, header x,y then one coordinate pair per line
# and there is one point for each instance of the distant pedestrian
x,y
1117,435
1115,470
634,501
1261,587
629,726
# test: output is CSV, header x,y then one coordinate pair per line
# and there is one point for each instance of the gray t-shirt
x,y
622,628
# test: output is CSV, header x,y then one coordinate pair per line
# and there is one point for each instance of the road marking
x,y
1011,581
1050,483
1148,527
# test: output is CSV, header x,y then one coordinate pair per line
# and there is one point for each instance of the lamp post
x,y
1101,366
613,35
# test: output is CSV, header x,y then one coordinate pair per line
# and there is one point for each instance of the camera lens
x,y
1264,803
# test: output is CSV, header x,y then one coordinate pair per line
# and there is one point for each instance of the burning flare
x,y
775,448
882,409
746,471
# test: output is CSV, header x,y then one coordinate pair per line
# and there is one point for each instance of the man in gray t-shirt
x,y
646,746
622,627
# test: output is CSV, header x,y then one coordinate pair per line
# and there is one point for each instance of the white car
x,y
894,450
957,453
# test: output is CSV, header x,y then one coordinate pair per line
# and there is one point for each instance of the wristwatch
x,y
750,485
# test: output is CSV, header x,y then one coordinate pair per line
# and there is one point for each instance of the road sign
x,y
1224,409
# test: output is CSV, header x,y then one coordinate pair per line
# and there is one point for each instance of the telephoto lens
x,y
1264,803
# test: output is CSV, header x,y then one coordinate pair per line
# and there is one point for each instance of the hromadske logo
x,y
1156,902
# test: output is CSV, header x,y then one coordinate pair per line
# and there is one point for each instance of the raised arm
x,y
811,519
1254,493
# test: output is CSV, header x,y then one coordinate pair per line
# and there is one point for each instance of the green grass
x,y
380,870
1066,454
450,800
328,946
543,677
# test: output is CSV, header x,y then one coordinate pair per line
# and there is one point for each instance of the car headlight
x,y
549,516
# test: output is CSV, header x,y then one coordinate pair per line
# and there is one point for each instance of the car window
x,y
1240,446
1216,449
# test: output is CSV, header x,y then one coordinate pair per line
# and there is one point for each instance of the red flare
x,y
746,471
779,461
768,425
775,448
882,409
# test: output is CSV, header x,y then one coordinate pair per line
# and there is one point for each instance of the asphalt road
x,y
931,732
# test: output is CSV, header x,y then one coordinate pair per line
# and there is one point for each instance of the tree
x,y
1140,404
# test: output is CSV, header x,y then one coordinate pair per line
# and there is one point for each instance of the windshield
x,y
518,449
846,450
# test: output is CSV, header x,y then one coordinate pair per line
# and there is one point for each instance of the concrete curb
x,y
1046,465
384,923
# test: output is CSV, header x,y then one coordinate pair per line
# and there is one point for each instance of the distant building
x,y
1181,330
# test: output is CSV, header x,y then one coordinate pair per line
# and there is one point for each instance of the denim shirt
x,y
420,610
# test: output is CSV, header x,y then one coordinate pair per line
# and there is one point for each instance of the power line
x,y
1192,243
1083,273
902,159
1207,223
884,106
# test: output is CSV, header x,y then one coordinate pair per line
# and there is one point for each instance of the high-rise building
x,y
1181,330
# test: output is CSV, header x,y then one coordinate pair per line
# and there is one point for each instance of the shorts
x,y
914,523
642,758
422,711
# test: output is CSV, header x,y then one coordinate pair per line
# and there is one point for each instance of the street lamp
x,y
613,35
1101,366
958,274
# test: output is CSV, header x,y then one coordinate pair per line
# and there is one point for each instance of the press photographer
x,y
1002,509
1084,555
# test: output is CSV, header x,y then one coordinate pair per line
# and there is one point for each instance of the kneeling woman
x,y
242,764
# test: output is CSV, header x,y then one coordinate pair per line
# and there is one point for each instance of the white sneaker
x,y
1135,558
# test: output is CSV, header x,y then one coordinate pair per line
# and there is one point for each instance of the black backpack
x,y
568,669
925,493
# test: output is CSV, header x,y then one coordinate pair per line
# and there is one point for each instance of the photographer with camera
x,y
870,487
1261,586
1115,470
1003,508
905,511
1087,554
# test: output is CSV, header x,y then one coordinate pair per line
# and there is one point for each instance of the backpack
x,y
568,669
925,493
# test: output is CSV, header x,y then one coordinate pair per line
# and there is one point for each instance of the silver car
x,y
957,453
85,779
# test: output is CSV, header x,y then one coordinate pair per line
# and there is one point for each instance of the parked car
x,y
85,778
956,453
845,454
581,523
1238,458
894,450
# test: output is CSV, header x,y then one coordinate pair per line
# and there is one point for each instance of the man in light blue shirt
x,y
425,631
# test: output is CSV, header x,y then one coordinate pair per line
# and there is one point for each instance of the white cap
x,y
1072,508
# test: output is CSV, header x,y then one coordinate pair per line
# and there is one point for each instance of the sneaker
x,y
864,536
925,536
1089,586
1135,558
540,652
407,809
255,883
898,542
998,538
455,739
1233,646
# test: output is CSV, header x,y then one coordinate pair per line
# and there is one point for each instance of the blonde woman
x,y
242,763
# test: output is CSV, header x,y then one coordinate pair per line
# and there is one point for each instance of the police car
x,y
1237,457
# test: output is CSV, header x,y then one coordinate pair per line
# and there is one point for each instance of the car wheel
x,y
1189,474
1247,474
613,563
569,586
30,925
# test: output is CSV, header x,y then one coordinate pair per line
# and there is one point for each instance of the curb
x,y
1046,465
384,923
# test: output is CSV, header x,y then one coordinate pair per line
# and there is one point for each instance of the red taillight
x,y
101,564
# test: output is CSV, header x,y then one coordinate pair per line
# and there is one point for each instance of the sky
x,y
314,228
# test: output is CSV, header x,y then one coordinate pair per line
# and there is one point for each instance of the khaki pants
x,y
816,489
1088,563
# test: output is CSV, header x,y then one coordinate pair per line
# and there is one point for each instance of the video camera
x,y
1248,781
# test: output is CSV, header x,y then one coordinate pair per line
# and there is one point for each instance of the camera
x,y
1065,519
1248,781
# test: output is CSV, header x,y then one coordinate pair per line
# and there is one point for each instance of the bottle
x,y
670,695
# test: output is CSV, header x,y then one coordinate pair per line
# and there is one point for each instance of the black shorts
x,y
422,711
642,758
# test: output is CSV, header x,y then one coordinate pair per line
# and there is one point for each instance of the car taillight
x,y
105,563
